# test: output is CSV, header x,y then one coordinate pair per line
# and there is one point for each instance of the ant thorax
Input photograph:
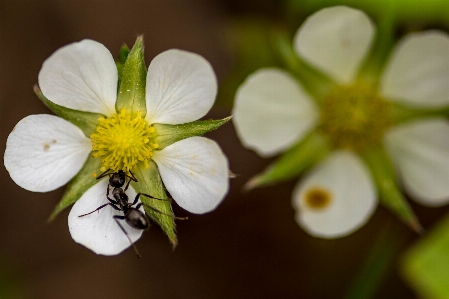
x,y
120,196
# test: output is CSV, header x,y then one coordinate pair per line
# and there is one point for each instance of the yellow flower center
x,y
122,140
354,117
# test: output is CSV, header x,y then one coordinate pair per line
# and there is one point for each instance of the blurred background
x,y
251,246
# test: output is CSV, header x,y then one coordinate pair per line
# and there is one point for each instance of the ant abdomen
x,y
136,219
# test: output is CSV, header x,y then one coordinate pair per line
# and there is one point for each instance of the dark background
x,y
250,247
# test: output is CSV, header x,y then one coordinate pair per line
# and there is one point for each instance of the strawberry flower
x,y
119,118
362,136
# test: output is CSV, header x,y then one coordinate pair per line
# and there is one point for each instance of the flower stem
x,y
379,260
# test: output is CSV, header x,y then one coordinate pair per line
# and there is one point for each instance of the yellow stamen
x,y
122,141
354,117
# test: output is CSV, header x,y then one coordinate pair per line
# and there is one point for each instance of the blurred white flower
x,y
44,152
273,111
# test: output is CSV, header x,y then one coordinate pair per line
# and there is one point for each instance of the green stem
x,y
378,262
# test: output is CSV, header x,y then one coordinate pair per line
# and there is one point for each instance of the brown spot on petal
x,y
317,198
46,147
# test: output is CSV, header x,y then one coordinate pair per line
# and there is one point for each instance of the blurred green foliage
x,y
426,264
428,11
10,285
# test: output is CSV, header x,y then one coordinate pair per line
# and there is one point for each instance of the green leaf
x,y
390,195
86,121
78,185
149,182
169,134
304,154
425,265
131,95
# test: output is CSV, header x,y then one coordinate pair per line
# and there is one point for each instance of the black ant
x,y
132,215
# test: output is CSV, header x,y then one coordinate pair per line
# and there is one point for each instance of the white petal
x,y
195,172
272,111
418,71
81,76
335,40
181,87
352,197
99,231
420,151
43,152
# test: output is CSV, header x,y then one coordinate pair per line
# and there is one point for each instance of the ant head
x,y
117,179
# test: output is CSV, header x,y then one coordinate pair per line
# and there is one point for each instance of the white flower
x,y
44,152
272,112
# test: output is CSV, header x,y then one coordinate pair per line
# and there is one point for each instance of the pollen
x,y
354,117
317,198
123,140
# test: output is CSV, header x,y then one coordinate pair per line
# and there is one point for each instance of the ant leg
x,y
110,199
132,177
160,212
147,195
99,208
116,217
127,185
103,174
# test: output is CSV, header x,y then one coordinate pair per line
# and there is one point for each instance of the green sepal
x,y
374,62
301,156
86,121
390,195
315,82
149,182
425,265
402,113
78,185
131,94
123,55
169,134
